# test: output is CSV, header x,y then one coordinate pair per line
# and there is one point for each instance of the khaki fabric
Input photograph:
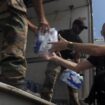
x,y
16,4
13,45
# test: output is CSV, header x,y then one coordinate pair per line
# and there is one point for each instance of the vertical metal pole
x,y
71,9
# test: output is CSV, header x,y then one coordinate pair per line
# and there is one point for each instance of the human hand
x,y
58,46
44,26
49,56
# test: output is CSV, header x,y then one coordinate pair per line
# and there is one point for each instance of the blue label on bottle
x,y
37,46
76,85
72,78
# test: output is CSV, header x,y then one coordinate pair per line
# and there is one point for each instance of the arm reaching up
x,y
38,5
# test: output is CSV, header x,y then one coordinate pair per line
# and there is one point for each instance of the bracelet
x,y
70,46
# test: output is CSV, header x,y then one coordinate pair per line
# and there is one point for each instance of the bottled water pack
x,y
72,79
42,45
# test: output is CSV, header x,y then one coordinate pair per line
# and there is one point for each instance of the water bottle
x,y
72,78
42,45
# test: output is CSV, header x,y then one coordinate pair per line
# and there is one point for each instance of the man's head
x,y
103,30
78,26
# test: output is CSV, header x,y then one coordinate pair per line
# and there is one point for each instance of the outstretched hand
x,y
58,46
49,56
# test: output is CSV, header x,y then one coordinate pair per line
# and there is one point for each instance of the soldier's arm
x,y
38,5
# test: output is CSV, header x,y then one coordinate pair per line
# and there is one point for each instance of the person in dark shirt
x,y
73,35
98,87
99,78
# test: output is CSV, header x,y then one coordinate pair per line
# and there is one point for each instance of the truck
x,y
61,14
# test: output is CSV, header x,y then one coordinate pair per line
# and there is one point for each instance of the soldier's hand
x,y
44,26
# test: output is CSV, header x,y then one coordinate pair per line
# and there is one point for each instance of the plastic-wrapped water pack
x,y
42,45
72,79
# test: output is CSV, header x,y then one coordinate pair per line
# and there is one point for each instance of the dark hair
x,y
79,23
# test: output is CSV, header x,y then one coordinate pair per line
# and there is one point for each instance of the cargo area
x,y
60,14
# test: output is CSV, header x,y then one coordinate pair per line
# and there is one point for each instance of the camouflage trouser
x,y
13,37
52,71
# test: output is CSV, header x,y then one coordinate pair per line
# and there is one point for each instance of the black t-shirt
x,y
70,36
98,62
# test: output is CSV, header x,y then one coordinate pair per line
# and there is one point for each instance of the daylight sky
x,y
98,16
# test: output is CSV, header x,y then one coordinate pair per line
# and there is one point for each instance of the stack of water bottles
x,y
72,78
42,41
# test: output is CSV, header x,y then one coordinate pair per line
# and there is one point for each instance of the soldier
x,y
14,26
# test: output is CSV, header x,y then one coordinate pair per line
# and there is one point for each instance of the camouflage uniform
x,y
52,72
13,27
